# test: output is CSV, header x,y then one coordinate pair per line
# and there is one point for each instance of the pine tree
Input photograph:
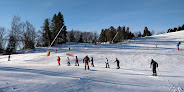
x,y
112,33
53,27
81,38
119,35
11,48
182,28
128,33
108,34
146,32
123,33
63,34
71,36
47,35
102,37
175,29
131,35
179,28
139,34
57,23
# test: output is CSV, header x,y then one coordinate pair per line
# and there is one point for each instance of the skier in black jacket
x,y
118,67
9,58
92,64
154,64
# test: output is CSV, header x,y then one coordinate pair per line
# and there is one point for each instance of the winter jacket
x,y
76,59
58,59
86,59
154,64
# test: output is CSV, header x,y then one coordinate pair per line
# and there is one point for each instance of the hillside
x,y
34,71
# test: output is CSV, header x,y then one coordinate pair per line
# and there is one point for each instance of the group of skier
x,y
86,61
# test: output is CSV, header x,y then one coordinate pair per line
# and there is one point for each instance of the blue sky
x,y
94,15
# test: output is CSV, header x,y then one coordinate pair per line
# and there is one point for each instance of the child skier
x,y
118,67
69,48
154,64
92,64
56,51
76,63
9,58
177,45
68,61
86,60
107,64
58,61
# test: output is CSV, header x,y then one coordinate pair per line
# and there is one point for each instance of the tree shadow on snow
x,y
43,72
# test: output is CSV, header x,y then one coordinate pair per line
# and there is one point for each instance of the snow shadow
x,y
117,83
175,76
43,72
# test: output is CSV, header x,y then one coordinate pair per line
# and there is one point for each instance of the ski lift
x,y
48,52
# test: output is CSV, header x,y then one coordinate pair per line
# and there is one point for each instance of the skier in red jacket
x,y
86,60
58,61
76,63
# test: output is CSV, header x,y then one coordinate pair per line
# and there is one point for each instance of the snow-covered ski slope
x,y
33,71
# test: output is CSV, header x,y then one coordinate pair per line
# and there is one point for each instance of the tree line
x,y
50,29
83,37
107,35
120,34
21,35
176,29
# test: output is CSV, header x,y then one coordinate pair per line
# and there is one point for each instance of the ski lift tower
x,y
48,52
114,37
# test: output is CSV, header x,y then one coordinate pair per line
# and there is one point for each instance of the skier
x,y
76,63
86,60
58,61
118,67
9,58
92,64
107,64
154,64
56,51
68,61
177,45
69,48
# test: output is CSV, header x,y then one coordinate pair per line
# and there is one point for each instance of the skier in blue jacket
x,y
177,45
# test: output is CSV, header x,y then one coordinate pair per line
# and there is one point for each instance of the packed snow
x,y
33,71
